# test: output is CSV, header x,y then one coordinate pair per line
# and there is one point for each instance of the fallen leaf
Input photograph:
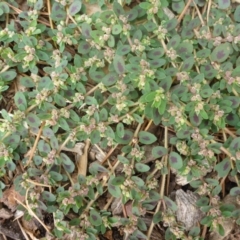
x,y
9,196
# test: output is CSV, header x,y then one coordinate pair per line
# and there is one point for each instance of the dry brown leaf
x,y
5,214
116,206
9,196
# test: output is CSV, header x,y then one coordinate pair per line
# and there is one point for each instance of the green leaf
x,y
146,137
63,124
175,160
235,191
95,218
155,53
157,217
138,181
142,167
56,176
126,138
33,120
123,50
119,64
116,29
119,180
8,75
4,7
122,159
221,53
67,163
120,130
84,47
235,144
194,231
20,101
223,167
159,151
110,79
170,204
95,168
60,100
114,190
58,13
223,4
75,7
48,196
27,82
237,14
95,137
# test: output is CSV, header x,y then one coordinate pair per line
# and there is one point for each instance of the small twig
x,y
22,230
35,144
162,184
32,213
108,203
199,14
184,11
83,160
208,9
229,132
49,13
38,184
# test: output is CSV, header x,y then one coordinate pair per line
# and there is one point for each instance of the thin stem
x,y
35,144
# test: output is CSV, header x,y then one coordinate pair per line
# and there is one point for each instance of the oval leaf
x,y
175,160
146,137
75,7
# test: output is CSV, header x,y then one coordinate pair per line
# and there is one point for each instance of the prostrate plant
x,y
82,77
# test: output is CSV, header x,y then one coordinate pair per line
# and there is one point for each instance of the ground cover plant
x,y
123,77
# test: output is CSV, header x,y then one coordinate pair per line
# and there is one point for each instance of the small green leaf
x,y
114,190
8,75
58,13
223,4
116,29
67,163
120,130
123,50
178,6
75,7
4,7
95,218
119,180
20,101
27,82
223,167
235,191
33,120
235,144
122,159
56,176
48,196
157,217
95,168
126,138
142,167
119,64
110,79
170,204
63,124
175,160
221,53
237,14
159,151
146,137
194,231
155,53
95,136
